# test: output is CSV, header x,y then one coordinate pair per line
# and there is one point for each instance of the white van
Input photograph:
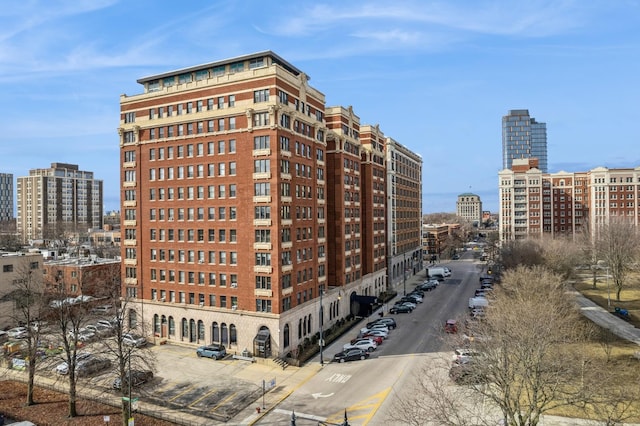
x,y
478,302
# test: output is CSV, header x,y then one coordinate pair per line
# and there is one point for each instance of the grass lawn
x,y
623,364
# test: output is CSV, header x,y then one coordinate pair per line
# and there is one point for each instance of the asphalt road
x,y
363,387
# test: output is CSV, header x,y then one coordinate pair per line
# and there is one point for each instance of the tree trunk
x,y
73,412
595,279
618,291
32,372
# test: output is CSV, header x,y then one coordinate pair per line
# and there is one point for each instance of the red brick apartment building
x,y
242,201
533,203
86,276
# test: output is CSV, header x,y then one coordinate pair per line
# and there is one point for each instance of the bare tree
x,y
521,252
29,307
526,363
561,255
127,357
619,245
68,318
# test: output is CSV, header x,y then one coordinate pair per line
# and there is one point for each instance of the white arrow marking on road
x,y
321,395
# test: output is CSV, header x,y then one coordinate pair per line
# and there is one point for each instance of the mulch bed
x,y
52,407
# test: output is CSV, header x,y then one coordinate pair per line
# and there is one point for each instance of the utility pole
x,y
321,321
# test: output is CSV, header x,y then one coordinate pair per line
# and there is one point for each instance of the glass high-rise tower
x,y
523,137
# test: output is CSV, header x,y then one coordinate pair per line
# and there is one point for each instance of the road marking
x,y
321,395
187,389
364,409
301,415
202,397
338,378
223,401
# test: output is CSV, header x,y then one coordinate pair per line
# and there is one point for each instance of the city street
x,y
363,388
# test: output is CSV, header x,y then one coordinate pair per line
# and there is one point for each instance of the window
x,y
236,67
261,142
261,119
261,95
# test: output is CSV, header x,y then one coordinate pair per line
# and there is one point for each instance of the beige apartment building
x,y
15,267
533,203
58,200
469,207
245,202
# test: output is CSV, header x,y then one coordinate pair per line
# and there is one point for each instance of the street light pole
x,y
608,292
321,321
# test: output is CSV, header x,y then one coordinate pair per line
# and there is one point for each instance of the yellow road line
x,y
202,397
182,393
223,401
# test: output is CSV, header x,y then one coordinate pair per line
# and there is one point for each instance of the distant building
x,y
86,276
15,267
404,211
438,239
6,197
523,137
533,203
59,200
469,207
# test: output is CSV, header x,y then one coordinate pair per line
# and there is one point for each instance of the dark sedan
x,y
400,309
352,354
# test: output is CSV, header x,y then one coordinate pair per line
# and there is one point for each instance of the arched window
x,y
224,332
156,324
192,331
304,327
200,330
300,329
133,318
215,333
185,329
286,336
233,334
309,324
172,326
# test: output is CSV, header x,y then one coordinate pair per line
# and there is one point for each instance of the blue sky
x,y
437,76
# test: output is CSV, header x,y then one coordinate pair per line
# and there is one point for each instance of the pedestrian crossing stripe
x,y
363,410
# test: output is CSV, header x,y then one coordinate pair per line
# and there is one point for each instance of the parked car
x,y
352,354
414,298
212,351
91,365
447,271
368,335
105,323
101,330
428,285
455,257
102,309
365,332
412,305
388,321
138,377
400,309
84,335
365,344
63,367
464,355
131,339
18,333
451,326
